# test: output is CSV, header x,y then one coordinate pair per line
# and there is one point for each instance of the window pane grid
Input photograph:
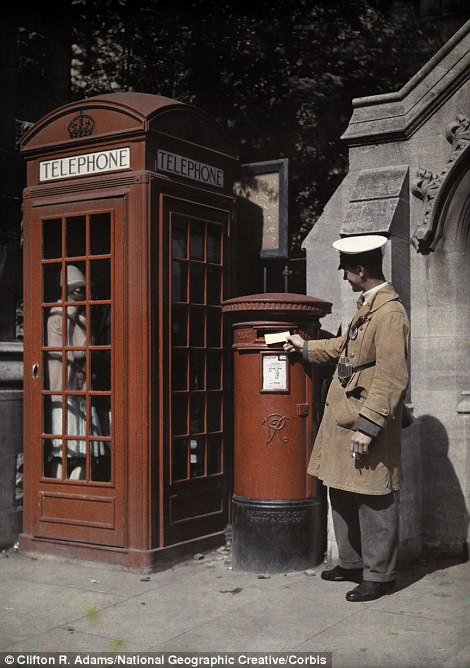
x,y
196,289
77,426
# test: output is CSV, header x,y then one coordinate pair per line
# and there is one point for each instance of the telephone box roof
x,y
125,114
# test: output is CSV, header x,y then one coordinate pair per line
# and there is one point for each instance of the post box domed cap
x,y
360,244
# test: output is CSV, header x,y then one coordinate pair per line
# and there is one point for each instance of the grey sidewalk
x,y
202,605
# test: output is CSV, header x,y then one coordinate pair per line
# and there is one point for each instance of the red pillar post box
x,y
278,515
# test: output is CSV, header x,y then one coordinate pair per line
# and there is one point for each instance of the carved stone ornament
x,y
81,126
427,185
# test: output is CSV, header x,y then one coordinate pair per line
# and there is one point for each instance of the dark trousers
x,y
366,529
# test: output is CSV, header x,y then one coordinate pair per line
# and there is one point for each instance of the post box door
x,y
76,448
195,456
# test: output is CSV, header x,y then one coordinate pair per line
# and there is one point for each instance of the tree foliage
x,y
279,77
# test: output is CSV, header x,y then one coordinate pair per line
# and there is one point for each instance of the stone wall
x,y
409,179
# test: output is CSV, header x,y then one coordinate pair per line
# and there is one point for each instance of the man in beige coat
x,y
357,448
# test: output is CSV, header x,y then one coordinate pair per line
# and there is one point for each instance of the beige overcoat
x,y
378,332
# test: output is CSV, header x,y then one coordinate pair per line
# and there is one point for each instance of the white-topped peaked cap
x,y
360,244
75,278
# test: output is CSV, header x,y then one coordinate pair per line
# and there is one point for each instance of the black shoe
x,y
340,574
369,591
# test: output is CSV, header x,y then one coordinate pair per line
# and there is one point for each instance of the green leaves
x,y
279,78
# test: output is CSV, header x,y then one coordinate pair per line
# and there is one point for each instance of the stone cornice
x,y
396,116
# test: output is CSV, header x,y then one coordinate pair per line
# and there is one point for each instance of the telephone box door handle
x,y
35,371
302,410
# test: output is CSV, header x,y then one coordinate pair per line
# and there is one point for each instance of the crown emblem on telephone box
x,y
81,126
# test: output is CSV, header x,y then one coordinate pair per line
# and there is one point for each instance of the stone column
x,y
11,441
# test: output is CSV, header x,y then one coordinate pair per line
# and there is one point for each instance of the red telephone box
x,y
127,221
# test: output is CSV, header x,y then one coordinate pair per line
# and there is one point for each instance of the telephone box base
x,y
134,560
277,536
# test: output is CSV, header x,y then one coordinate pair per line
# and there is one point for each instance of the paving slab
x,y
203,605
214,637
439,601
370,639
66,639
17,628
86,575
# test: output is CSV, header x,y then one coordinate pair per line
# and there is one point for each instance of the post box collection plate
x,y
275,373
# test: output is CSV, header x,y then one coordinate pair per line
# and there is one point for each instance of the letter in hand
x,y
294,344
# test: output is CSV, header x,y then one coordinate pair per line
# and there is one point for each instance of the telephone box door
x,y
197,477
75,327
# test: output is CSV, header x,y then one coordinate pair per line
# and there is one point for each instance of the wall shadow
x,y
445,517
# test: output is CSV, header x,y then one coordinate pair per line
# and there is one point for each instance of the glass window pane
x,y
53,327
100,424
214,285
53,370
179,325
196,417
179,238
197,283
100,319
179,282
51,466
179,369
100,272
197,370
52,414
197,240
196,328
214,370
196,456
214,246
75,235
214,331
52,458
214,405
76,281
76,416
76,370
76,459
100,363
100,234
52,238
179,459
52,282
214,455
76,334
180,414
100,461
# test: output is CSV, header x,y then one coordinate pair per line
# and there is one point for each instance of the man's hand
x,y
294,344
360,444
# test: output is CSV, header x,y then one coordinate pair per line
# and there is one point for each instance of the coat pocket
x,y
345,405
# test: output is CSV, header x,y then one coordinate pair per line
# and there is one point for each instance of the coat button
x,y
352,355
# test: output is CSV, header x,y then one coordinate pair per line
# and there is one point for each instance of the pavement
x,y
202,605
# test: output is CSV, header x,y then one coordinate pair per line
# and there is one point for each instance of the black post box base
x,y
277,536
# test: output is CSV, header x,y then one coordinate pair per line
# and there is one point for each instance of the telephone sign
x,y
84,165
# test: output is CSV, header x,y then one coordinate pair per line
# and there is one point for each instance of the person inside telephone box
x,y
75,340
357,449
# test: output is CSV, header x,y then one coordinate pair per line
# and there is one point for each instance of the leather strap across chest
x,y
361,367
